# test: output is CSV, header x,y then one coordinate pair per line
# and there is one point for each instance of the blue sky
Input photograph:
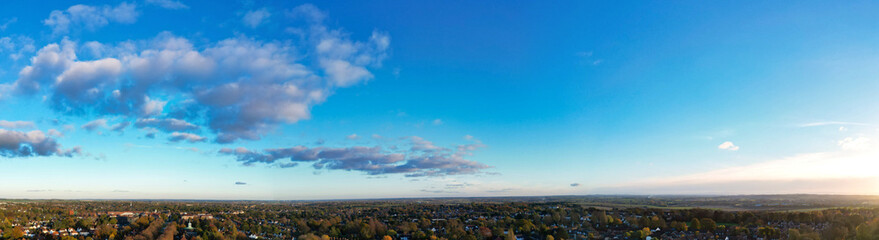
x,y
328,100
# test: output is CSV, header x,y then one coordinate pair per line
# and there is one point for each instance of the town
x,y
623,217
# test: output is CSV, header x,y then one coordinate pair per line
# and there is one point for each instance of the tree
x,y
309,237
695,224
510,235
678,226
105,231
169,232
771,232
793,234
643,233
708,224
599,218
17,233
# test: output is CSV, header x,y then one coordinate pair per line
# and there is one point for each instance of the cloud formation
x,y
119,127
179,136
239,88
728,146
16,124
16,46
90,17
7,22
415,162
820,173
169,4
95,124
255,17
854,143
818,124
33,143
166,125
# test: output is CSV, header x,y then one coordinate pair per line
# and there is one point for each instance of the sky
x,y
293,100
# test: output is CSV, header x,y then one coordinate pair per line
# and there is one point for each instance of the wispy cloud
x,y
32,143
503,190
179,136
256,17
854,143
16,124
439,191
729,146
416,162
95,124
169,4
794,174
825,123
239,88
7,22
119,127
90,17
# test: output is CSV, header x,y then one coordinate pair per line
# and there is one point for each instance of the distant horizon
x,y
195,99
438,198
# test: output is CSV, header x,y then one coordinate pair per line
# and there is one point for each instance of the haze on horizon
x,y
186,99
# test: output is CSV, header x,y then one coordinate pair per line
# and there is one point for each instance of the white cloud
x,y
352,137
420,144
850,143
54,133
119,127
345,62
256,17
153,107
90,17
728,146
95,124
7,22
33,143
344,73
50,61
437,121
821,172
179,136
167,125
169,4
16,124
852,166
370,160
17,46
825,123
308,12
81,81
843,129
239,88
